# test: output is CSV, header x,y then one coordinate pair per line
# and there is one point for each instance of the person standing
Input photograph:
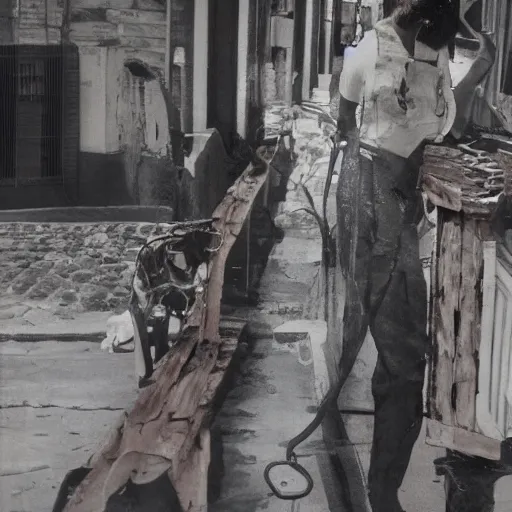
x,y
399,77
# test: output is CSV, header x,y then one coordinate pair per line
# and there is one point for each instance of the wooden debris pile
x,y
471,189
465,179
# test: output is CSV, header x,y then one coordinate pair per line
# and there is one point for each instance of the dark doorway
x,y
222,68
31,92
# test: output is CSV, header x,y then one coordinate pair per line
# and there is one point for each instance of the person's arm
x,y
444,66
346,117
352,82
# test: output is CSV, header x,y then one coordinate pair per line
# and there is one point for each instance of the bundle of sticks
x,y
464,178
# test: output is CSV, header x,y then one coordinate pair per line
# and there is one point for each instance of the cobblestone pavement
x,y
67,269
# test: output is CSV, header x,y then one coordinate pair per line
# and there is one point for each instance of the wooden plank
x,y
230,216
442,194
477,209
192,482
471,443
164,442
468,339
442,152
118,16
445,311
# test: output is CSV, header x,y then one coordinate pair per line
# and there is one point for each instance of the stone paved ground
x,y
66,269
269,404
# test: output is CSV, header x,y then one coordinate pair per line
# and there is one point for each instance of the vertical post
x,y
243,50
168,47
289,76
200,83
327,20
308,49
502,20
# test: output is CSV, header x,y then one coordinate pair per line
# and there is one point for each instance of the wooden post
x,y
200,83
180,61
244,12
168,47
328,20
308,49
289,75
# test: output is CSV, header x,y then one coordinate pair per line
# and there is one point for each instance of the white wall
x,y
93,90
104,103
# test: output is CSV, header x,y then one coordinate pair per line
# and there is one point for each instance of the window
x,y
31,80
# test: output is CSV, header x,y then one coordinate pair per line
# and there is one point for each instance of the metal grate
x,y
31,108
7,112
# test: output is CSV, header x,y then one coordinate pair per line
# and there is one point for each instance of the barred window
x,y
31,83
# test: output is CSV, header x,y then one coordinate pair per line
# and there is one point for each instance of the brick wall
x,y
137,26
38,22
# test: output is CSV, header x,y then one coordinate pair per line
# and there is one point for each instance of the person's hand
x,y
436,139
338,138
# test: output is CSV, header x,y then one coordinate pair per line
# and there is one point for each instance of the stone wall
x,y
36,22
70,268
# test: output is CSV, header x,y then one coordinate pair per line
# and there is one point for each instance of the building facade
x,y
97,93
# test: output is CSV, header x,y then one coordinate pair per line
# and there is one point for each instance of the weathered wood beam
x,y
160,433
461,440
229,218
442,194
468,339
445,314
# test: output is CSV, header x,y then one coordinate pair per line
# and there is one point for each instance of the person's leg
x,y
399,330
398,325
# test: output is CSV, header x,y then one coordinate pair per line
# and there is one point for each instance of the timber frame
x,y
461,313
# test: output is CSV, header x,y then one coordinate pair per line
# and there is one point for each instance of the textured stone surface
x,y
69,268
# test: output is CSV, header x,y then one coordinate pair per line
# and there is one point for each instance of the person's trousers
x,y
386,292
